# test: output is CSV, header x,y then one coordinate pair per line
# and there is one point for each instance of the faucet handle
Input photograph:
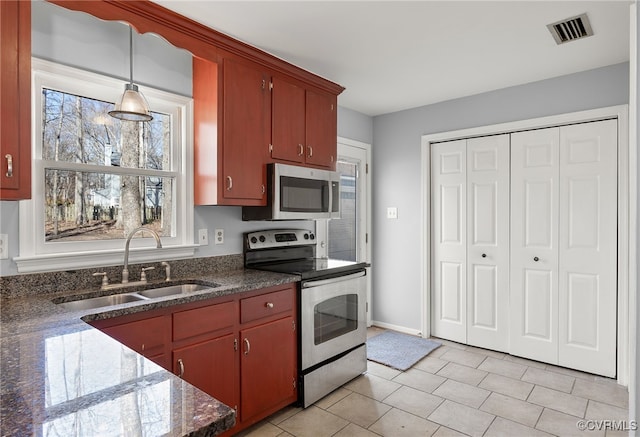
x,y
143,274
167,270
105,280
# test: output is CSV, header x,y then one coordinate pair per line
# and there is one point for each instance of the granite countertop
x,y
62,377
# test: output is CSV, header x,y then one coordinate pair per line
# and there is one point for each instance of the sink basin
x,y
172,290
103,301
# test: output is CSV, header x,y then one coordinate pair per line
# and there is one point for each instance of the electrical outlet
x,y
4,246
392,212
219,236
203,237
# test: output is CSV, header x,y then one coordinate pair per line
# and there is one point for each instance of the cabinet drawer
x,y
266,305
199,321
143,336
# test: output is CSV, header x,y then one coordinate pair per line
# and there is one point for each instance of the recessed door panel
x,y
451,274
484,213
451,214
582,306
537,309
538,205
451,162
583,206
485,297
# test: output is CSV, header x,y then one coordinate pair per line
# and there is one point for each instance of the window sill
x,y
77,260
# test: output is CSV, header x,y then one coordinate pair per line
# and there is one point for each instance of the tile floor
x,y
460,390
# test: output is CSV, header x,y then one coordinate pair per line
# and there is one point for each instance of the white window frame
x,y
38,256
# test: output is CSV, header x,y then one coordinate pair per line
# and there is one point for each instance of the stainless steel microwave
x,y
298,193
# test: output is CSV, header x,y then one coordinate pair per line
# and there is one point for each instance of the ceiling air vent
x,y
571,29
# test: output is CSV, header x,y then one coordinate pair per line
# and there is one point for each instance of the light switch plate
x,y
219,236
203,237
4,246
392,212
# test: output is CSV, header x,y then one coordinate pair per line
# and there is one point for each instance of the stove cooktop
x,y
313,268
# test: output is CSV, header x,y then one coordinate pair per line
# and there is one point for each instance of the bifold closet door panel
x,y
588,247
488,242
534,244
449,240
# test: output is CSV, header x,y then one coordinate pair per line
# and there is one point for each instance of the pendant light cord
x,y
130,55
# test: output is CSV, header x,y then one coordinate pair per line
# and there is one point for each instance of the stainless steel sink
x,y
103,301
117,299
173,290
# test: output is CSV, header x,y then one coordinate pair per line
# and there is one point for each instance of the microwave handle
x,y
309,284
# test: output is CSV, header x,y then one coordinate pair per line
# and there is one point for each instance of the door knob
x,y
536,259
484,255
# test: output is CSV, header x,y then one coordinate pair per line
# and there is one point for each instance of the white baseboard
x,y
402,329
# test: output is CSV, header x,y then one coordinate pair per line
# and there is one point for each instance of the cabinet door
x,y
534,244
321,129
149,337
488,242
449,240
267,367
288,118
588,235
210,366
246,131
15,100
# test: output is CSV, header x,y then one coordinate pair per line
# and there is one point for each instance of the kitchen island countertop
x,y
62,377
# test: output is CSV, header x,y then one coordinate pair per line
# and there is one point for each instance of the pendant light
x,y
132,106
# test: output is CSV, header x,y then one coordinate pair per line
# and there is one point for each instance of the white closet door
x,y
588,233
448,178
488,242
534,241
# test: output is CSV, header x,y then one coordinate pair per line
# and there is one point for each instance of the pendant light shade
x,y
132,106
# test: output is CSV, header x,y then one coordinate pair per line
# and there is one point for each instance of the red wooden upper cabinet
x,y
232,131
304,125
15,100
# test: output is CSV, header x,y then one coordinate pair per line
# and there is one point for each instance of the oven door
x,y
333,317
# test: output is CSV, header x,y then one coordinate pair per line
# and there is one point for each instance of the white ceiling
x,y
395,55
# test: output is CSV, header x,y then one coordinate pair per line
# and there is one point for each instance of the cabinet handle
x,y
229,183
181,364
9,165
269,305
263,189
142,349
310,151
536,259
247,348
300,150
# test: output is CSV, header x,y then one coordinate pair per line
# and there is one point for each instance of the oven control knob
x,y
262,239
254,240
306,236
313,237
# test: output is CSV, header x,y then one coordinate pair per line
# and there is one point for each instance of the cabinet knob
x,y
536,259
9,159
269,305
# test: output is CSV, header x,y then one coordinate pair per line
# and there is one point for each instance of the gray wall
x,y
79,40
397,169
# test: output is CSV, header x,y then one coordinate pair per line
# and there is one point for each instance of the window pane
x,y
343,231
79,129
83,206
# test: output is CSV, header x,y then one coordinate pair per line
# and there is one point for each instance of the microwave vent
x,y
571,29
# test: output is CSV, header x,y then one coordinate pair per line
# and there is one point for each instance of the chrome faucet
x,y
125,270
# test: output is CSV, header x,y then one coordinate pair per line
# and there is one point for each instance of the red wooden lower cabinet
x,y
240,349
210,366
267,368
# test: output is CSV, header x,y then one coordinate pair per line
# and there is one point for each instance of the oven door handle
x,y
321,282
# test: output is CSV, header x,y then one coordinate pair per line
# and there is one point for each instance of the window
x,y
96,178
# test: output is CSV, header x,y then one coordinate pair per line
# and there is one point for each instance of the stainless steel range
x,y
332,308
